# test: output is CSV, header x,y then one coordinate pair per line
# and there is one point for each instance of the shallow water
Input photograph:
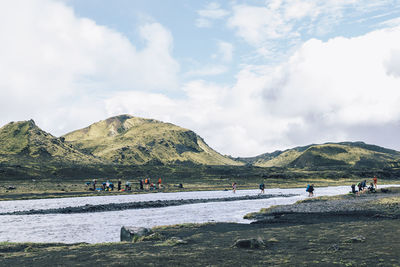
x,y
37,204
105,226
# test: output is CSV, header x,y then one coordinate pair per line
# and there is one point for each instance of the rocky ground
x,y
337,231
383,204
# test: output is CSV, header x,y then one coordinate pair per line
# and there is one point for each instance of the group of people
x,y
362,186
149,185
105,186
109,186
262,187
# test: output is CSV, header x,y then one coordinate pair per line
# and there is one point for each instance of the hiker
x,y
141,184
147,183
234,186
375,182
371,188
359,185
262,187
159,183
127,186
364,184
119,184
108,185
94,184
152,187
111,186
310,190
104,186
353,189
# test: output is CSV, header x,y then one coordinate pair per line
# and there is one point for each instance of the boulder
x,y
249,243
132,233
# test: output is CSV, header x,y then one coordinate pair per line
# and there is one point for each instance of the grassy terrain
x,y
131,140
24,143
63,181
342,241
356,155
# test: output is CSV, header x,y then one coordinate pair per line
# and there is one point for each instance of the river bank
x,y
41,189
336,236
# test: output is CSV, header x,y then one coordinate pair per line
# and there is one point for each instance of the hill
x,y
126,139
344,154
24,142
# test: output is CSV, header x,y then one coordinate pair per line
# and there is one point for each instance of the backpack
x,y
308,188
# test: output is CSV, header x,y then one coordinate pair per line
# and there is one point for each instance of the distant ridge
x,y
342,154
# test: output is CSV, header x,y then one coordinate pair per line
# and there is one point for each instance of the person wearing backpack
x,y
359,185
310,190
119,184
140,184
353,189
262,187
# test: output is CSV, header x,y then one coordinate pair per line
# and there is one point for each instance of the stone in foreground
x,y
249,243
130,233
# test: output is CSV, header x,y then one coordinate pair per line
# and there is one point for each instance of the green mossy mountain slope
x,y
345,154
24,142
126,139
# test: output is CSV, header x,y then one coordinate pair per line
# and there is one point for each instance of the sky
x,y
248,76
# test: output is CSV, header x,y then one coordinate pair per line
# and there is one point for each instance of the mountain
x,y
344,154
126,139
24,142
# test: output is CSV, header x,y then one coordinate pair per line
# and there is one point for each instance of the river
x,y
100,227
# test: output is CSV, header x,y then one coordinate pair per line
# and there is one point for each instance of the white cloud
x,y
203,23
265,26
257,24
225,49
209,70
391,22
327,91
212,11
392,64
67,72
51,60
344,80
